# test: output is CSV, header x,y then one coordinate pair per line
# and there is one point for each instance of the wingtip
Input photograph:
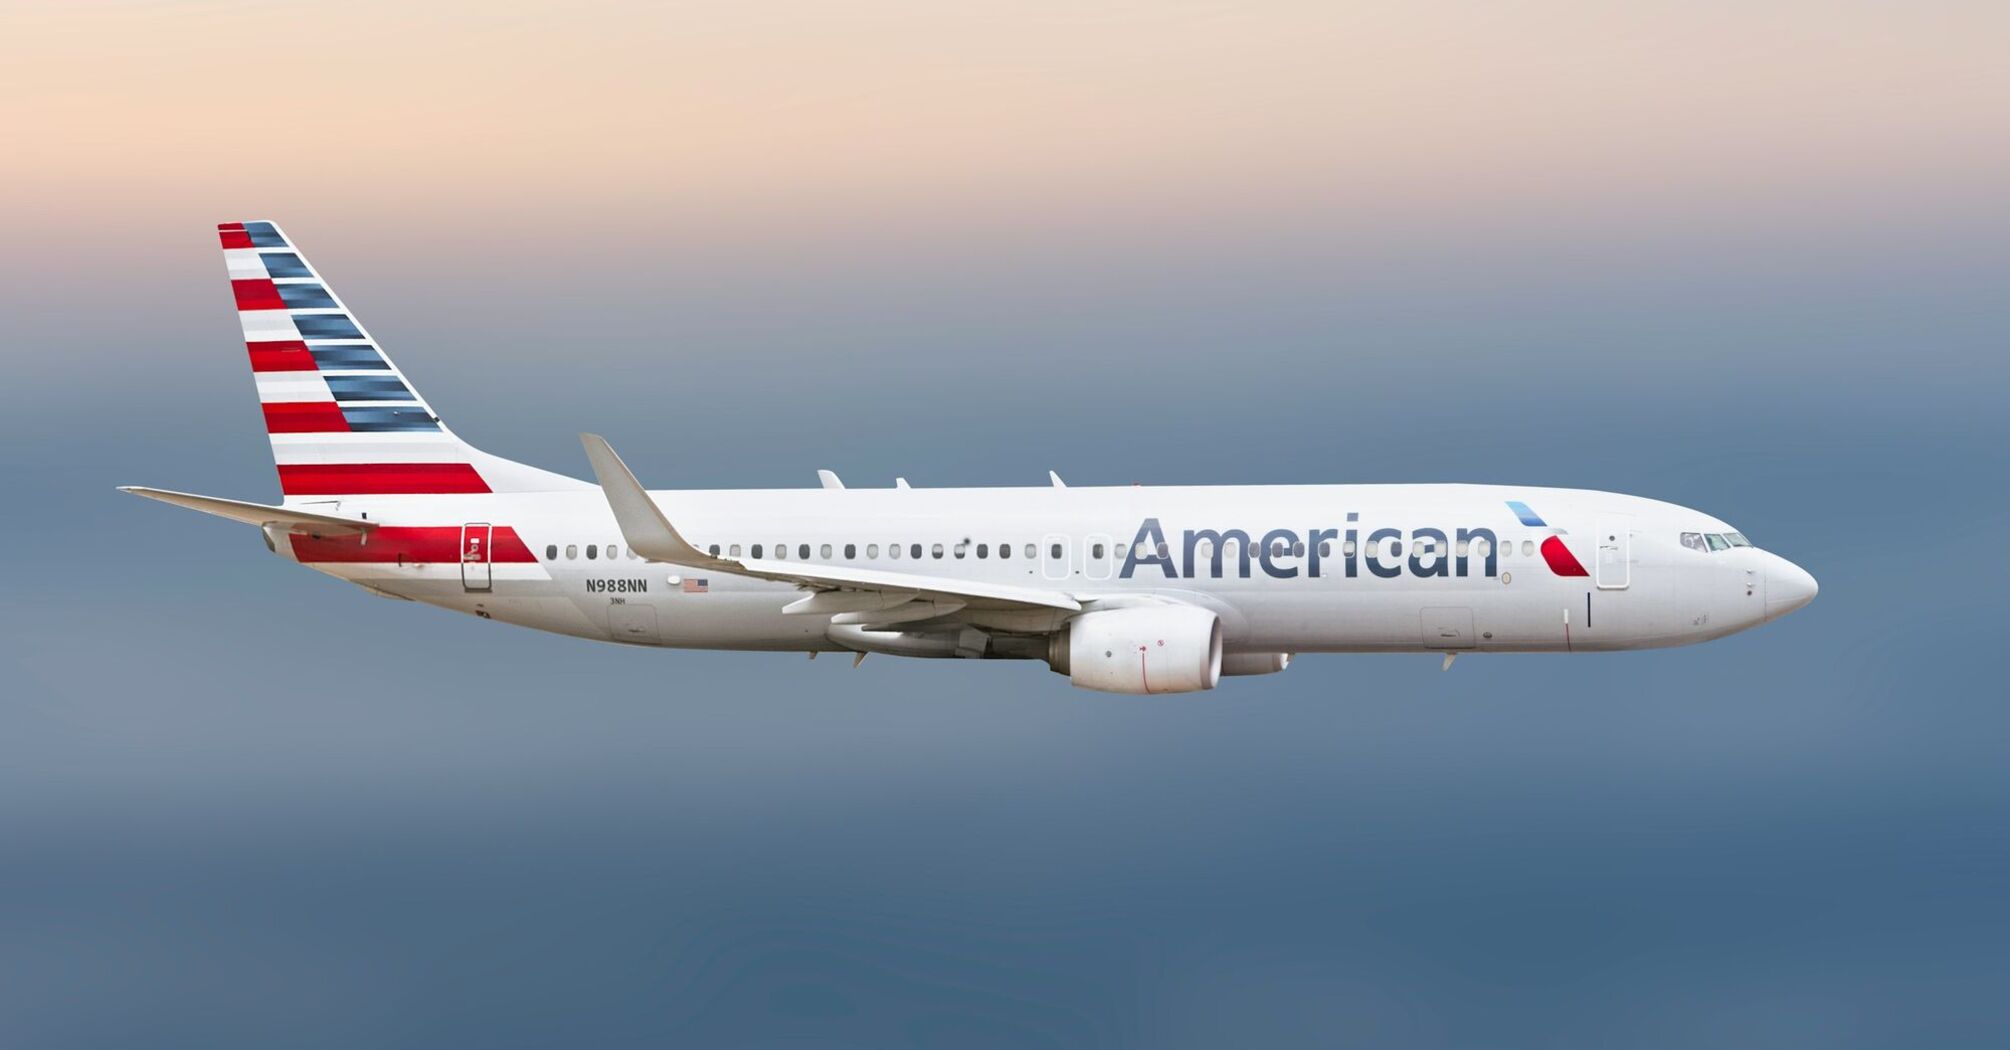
x,y
600,454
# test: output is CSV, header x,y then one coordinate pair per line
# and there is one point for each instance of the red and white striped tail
x,y
343,419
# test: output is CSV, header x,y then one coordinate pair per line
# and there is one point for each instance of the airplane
x,y
1124,589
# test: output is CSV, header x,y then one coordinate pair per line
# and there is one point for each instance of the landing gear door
x,y
1614,541
476,538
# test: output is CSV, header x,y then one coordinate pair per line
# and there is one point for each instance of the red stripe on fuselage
x,y
304,417
358,479
257,294
282,355
425,544
1561,561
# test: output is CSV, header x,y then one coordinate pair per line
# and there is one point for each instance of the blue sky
x,y
246,805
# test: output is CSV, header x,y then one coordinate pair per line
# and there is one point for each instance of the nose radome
x,y
1788,587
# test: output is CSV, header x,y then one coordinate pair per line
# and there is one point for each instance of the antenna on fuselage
x,y
901,483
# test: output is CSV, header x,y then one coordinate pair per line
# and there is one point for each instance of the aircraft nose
x,y
1788,587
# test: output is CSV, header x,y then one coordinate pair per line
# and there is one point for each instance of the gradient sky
x,y
1751,259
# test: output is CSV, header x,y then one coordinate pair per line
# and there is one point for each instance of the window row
x,y
1097,550
593,552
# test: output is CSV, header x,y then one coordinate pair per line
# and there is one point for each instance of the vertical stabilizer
x,y
342,418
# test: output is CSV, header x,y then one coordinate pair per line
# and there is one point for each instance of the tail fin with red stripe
x,y
342,418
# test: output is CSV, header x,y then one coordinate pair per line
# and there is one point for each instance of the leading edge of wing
x,y
648,531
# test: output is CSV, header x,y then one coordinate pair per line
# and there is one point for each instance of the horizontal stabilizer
x,y
258,513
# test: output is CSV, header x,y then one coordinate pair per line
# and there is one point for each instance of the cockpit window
x,y
1717,543
1737,539
1694,541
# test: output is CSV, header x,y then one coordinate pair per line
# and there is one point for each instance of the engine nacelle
x,y
1146,649
1254,663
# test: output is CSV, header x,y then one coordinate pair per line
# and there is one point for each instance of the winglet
x,y
829,479
642,523
1056,479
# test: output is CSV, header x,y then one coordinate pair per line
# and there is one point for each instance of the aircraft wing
x,y
258,513
648,531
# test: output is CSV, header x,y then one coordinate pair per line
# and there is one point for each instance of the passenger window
x,y
757,550
935,550
1096,551
1528,548
781,550
1032,552
872,550
551,552
1326,548
1694,541
1464,548
1123,551
592,551
1004,550
1717,543
961,549
733,551
1054,551
914,550
1348,548
613,551
893,551
1298,549
713,550
983,550
1374,548
571,551
850,551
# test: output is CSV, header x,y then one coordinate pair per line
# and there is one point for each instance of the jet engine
x,y
1254,663
1144,649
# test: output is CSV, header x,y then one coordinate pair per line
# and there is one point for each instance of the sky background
x,y
1746,258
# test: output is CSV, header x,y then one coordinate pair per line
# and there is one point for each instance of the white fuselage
x,y
1126,590
1461,571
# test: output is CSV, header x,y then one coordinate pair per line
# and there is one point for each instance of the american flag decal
x,y
695,585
